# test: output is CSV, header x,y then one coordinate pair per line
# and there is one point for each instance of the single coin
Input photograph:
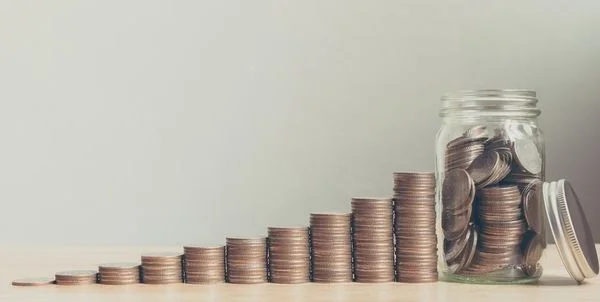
x,y
467,254
73,283
119,275
258,242
456,189
455,224
119,282
483,166
77,274
171,275
532,250
477,131
161,256
158,282
119,266
235,280
203,248
532,206
465,140
204,281
34,281
501,170
527,155
454,248
498,142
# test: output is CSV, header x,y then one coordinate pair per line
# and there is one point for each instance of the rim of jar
x,y
490,102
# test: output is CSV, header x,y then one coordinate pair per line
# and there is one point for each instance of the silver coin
x,y
527,155
478,131
483,166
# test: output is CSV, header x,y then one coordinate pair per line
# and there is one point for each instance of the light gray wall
x,y
169,122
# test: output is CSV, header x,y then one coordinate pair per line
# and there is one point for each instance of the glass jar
x,y
490,167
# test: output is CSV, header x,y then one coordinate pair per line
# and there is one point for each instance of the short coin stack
x,y
119,273
501,228
204,265
373,239
162,268
331,247
247,260
33,281
416,241
289,255
77,277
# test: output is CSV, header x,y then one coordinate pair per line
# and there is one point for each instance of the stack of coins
x,y
247,260
119,273
33,281
501,227
77,277
458,195
502,186
204,265
162,268
331,247
372,226
289,255
416,241
462,151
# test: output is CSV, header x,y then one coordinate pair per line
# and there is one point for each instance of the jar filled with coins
x,y
491,196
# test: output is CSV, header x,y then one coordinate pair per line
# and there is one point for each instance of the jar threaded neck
x,y
491,102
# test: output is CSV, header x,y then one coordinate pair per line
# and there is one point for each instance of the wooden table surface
x,y
18,262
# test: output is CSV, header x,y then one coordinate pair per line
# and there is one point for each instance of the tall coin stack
x,y
119,273
77,277
289,255
162,268
204,265
373,239
416,241
247,260
331,247
501,228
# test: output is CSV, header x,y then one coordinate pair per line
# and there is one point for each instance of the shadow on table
x,y
556,281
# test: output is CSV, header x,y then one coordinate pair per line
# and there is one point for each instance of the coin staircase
x,y
380,240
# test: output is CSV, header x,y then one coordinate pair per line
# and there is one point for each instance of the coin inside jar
x,y
454,248
527,155
477,131
483,166
532,206
455,223
456,190
532,248
467,255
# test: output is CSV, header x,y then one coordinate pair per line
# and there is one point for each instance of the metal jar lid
x,y
570,230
